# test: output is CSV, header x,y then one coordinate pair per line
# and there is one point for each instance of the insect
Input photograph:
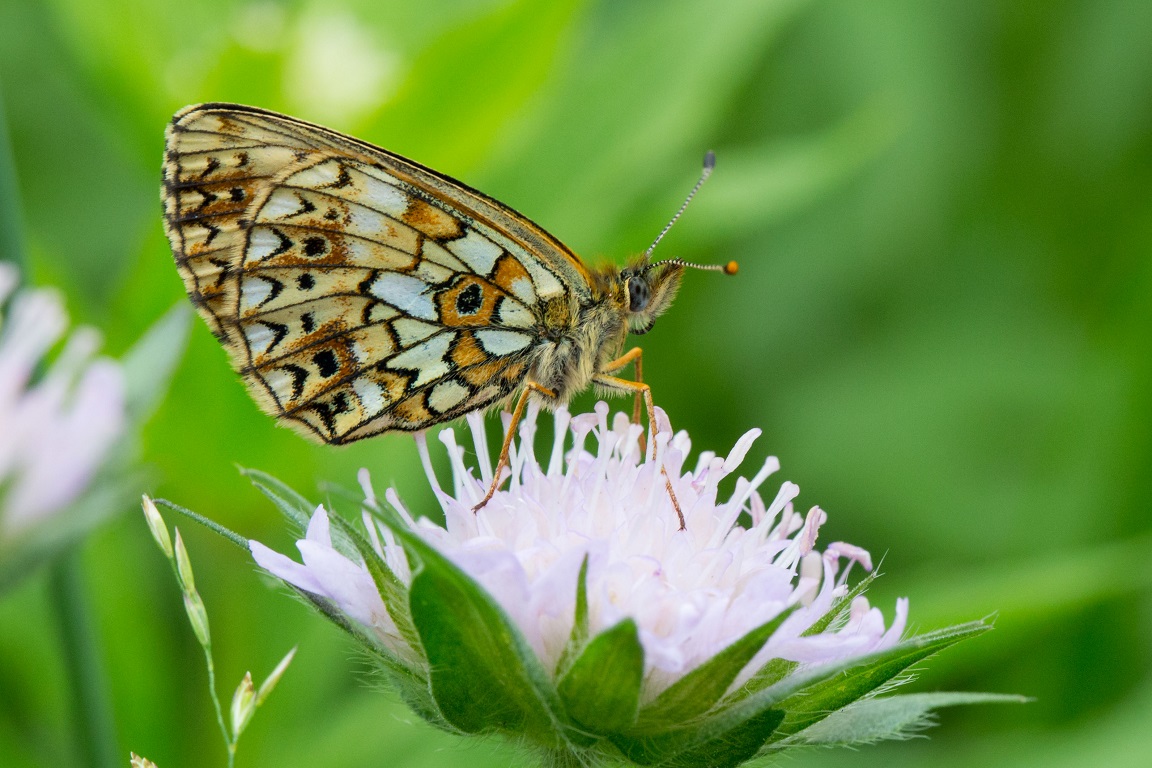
x,y
357,292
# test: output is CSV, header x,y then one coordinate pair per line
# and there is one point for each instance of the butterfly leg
x,y
642,389
517,414
631,356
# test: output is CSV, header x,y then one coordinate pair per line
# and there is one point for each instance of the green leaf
x,y
813,703
733,747
150,362
762,184
491,65
892,717
483,674
696,693
803,698
601,691
716,743
675,95
297,509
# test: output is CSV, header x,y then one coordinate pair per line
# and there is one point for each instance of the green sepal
x,y
804,698
481,672
889,717
483,675
714,742
699,690
733,747
812,703
295,508
601,690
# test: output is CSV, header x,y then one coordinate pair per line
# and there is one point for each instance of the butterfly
x,y
358,292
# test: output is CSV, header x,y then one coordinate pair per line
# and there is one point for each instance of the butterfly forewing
x,y
355,291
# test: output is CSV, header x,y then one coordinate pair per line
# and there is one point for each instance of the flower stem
x,y
94,723
11,244
229,742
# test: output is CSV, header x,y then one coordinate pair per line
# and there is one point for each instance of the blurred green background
x,y
943,216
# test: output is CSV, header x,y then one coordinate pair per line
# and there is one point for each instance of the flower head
x,y
58,419
574,611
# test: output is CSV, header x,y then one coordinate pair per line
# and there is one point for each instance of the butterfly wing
x,y
355,291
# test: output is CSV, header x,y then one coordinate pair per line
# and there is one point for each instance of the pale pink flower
x,y
58,417
739,562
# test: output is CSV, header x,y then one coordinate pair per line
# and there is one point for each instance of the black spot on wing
x,y
315,246
285,243
326,363
299,378
279,331
469,300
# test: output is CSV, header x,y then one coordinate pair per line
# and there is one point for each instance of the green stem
x,y
11,244
228,740
94,723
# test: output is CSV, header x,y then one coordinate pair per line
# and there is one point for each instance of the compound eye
x,y
637,295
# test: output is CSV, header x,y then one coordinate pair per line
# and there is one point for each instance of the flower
x,y
574,612
58,420
692,592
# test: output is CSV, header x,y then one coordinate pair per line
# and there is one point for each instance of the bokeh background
x,y
942,322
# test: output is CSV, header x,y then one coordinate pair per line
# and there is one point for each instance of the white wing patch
x,y
477,251
426,358
447,395
502,343
408,294
513,313
371,395
410,330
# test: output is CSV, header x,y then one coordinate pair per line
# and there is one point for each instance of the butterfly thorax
x,y
585,337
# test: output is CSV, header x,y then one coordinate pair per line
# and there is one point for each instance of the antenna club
x,y
731,268
709,160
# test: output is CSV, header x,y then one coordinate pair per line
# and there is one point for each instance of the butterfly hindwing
x,y
355,291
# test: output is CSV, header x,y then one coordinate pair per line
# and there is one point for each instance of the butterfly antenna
x,y
729,268
709,164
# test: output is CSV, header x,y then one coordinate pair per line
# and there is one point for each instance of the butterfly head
x,y
650,288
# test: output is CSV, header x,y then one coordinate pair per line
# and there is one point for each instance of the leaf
x,y
890,717
491,65
814,702
763,184
715,744
696,693
803,698
601,691
483,674
297,509
675,100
